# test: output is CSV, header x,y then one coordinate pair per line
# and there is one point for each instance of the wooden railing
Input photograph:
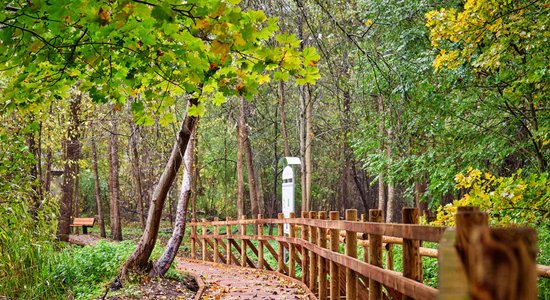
x,y
314,247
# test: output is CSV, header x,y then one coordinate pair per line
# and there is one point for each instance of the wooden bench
x,y
84,222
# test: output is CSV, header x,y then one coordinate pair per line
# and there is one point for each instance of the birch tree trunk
x,y
116,229
163,263
100,220
139,260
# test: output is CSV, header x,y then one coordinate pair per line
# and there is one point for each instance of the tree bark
x,y
48,175
252,186
309,141
240,175
116,229
284,132
139,260
196,173
381,131
137,172
70,169
163,263
100,220
391,185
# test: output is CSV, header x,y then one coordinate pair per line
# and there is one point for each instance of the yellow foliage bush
x,y
508,200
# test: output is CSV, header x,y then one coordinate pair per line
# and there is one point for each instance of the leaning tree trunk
x,y
72,154
139,260
163,263
97,191
116,229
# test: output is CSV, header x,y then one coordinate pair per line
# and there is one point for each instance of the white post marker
x,y
288,199
288,195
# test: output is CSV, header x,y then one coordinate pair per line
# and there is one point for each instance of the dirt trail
x,y
233,282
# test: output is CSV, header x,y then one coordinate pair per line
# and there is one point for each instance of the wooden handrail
x,y
407,231
314,244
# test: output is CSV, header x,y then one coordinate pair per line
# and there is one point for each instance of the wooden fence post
x,y
280,250
305,259
321,263
375,254
194,240
351,251
312,257
292,250
502,263
412,262
216,233
228,245
467,217
335,247
203,232
243,242
260,244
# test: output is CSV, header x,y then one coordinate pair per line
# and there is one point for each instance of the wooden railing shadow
x,y
474,261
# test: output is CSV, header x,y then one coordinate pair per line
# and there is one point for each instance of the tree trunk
x,y
240,175
391,185
139,260
116,229
381,131
137,172
76,206
48,175
309,141
284,132
360,188
163,263
97,192
195,178
72,155
252,186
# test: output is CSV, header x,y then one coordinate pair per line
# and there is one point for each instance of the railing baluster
x,y
243,242
321,262
260,244
292,249
312,255
194,240
203,232
305,259
280,250
334,270
351,251
228,245
412,262
216,233
375,254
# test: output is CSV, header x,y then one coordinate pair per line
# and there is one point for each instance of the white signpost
x,y
288,195
288,199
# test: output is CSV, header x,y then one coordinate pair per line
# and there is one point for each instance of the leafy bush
x,y
508,200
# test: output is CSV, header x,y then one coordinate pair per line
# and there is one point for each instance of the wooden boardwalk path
x,y
234,282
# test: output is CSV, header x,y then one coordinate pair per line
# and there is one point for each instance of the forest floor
x,y
233,282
